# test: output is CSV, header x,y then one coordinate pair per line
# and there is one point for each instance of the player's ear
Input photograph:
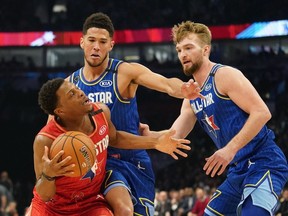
x,y
58,111
81,42
207,49
112,44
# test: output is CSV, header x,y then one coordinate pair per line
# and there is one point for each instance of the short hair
x,y
47,97
98,20
182,30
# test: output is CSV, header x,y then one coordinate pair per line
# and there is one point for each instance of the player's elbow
x,y
267,115
264,114
44,194
44,197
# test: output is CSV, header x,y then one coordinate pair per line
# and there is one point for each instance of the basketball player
x,y
234,116
55,193
114,82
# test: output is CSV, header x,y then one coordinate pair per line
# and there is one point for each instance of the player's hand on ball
x,y
172,146
55,167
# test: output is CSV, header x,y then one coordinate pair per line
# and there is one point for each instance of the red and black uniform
x,y
77,196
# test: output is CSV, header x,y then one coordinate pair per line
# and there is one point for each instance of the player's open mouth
x,y
87,101
95,56
186,62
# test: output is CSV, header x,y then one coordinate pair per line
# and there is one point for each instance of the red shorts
x,y
97,210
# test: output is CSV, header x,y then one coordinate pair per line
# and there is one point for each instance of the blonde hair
x,y
182,30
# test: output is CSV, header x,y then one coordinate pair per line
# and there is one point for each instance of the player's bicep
x,y
145,77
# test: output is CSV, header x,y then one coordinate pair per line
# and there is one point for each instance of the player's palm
x,y
171,146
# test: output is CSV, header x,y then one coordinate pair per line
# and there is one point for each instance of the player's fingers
x,y
201,96
174,156
65,161
182,146
45,155
184,141
46,151
191,81
210,166
180,140
69,174
215,169
68,169
208,160
57,156
183,154
221,170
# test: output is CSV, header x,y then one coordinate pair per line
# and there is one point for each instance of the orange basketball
x,y
77,145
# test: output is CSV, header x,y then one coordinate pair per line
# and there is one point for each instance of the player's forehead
x,y
94,32
189,39
66,87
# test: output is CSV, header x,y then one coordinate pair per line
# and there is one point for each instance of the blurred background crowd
x,y
182,188
127,14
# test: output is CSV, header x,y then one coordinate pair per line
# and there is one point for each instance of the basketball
x,y
77,145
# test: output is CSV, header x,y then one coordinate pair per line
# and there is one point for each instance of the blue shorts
x,y
262,177
138,177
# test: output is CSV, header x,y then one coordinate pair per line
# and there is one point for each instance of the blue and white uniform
x,y
129,168
259,169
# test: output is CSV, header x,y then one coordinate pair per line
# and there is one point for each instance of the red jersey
x,y
77,195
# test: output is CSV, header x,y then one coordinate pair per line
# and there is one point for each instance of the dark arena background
x,y
39,40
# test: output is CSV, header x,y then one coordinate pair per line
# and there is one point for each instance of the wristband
x,y
49,178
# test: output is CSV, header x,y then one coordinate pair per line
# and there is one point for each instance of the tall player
x,y
234,116
114,82
57,194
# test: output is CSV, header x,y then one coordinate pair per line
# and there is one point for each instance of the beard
x,y
91,64
195,67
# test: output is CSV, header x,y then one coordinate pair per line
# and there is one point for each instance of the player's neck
x,y
80,124
201,75
92,73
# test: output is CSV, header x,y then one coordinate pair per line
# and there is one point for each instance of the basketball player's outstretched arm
x,y
45,169
141,75
164,143
183,125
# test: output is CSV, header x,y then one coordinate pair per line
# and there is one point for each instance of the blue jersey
x,y
124,112
222,119
259,170
131,169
